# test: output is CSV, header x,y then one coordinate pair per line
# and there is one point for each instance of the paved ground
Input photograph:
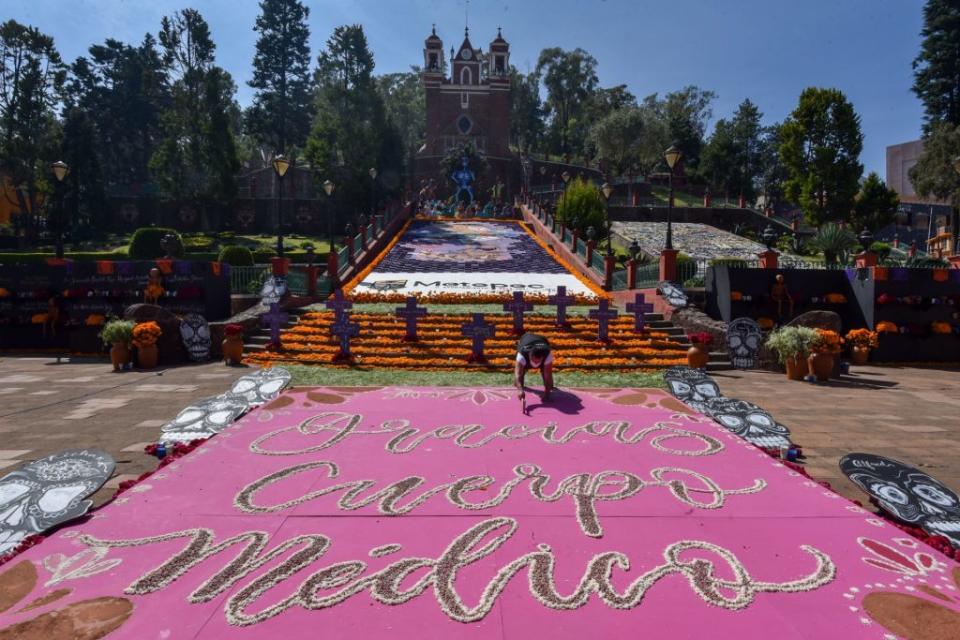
x,y
46,407
900,412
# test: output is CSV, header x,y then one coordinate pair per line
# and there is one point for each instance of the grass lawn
x,y
357,376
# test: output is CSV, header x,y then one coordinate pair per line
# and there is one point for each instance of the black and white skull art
x,y
204,419
743,342
673,294
691,386
260,387
906,493
49,491
748,421
196,337
273,290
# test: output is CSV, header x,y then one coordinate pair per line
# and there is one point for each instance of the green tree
x,y
581,206
773,173
570,78
526,111
31,81
629,140
197,158
351,132
733,158
405,103
603,102
283,103
934,175
85,201
687,113
937,67
821,149
876,204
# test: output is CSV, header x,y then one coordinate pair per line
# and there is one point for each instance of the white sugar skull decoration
x,y
204,419
260,387
906,493
196,337
273,290
749,421
49,491
743,342
673,293
691,386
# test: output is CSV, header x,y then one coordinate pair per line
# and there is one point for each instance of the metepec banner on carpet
x,y
469,257
445,513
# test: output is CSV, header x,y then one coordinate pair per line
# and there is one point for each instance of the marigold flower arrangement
x,y
862,338
941,328
885,326
736,296
95,320
836,298
827,342
146,334
765,323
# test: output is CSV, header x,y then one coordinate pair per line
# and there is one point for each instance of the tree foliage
x,y
937,67
526,111
629,140
405,103
934,175
732,160
581,207
283,103
876,204
570,78
821,149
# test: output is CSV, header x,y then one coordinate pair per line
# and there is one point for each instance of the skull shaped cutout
x,y
906,493
273,290
743,342
673,294
691,386
204,419
260,387
196,337
749,421
49,491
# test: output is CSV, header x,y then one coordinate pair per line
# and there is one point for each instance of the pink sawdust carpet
x,y
447,513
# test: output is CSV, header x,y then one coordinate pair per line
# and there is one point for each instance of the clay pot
x,y
859,355
821,365
147,356
232,350
697,357
797,368
119,355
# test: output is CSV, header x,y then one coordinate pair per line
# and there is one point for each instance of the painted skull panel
x,y
691,386
673,294
744,338
906,493
749,421
260,387
49,491
196,337
204,419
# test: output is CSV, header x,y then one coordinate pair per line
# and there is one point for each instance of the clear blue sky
x,y
767,50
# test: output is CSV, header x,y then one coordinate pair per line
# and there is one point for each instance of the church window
x,y
464,125
434,63
466,76
464,100
498,65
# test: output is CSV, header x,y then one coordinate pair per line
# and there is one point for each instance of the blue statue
x,y
463,178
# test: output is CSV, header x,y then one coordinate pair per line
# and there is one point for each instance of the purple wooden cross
x,y
344,329
639,307
478,331
339,305
275,318
603,315
517,307
411,313
561,301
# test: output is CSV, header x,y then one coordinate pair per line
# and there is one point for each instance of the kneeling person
x,y
533,352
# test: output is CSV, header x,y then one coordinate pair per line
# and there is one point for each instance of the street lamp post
x,y
607,190
672,155
280,165
328,189
956,221
373,191
60,172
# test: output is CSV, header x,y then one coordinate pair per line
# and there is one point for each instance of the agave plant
x,y
835,242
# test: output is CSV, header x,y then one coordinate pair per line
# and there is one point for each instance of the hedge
x,y
236,256
145,243
79,256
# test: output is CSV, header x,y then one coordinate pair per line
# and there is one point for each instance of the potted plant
x,y
699,352
825,347
232,344
145,336
861,341
118,333
792,346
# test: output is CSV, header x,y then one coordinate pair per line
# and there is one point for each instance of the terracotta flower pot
x,y
821,365
859,355
797,368
119,355
697,357
232,350
147,356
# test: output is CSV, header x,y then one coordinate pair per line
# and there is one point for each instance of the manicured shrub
x,y
581,207
145,243
262,256
236,256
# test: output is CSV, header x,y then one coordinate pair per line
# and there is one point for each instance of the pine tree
x,y
937,67
282,108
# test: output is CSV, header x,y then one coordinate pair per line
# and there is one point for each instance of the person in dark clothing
x,y
533,352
